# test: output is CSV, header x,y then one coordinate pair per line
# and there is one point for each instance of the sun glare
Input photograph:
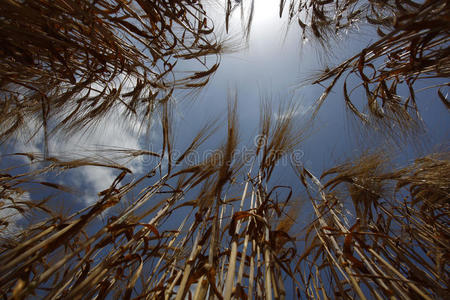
x,y
266,10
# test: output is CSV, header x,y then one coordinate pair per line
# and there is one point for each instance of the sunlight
x,y
265,10
265,15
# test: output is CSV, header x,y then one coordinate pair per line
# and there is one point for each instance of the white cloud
x,y
114,132
97,177
9,215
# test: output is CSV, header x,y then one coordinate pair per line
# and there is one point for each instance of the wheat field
x,y
221,226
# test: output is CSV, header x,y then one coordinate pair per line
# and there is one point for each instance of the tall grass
x,y
412,46
71,62
219,228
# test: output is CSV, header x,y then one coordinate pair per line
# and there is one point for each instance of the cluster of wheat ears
x,y
377,231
